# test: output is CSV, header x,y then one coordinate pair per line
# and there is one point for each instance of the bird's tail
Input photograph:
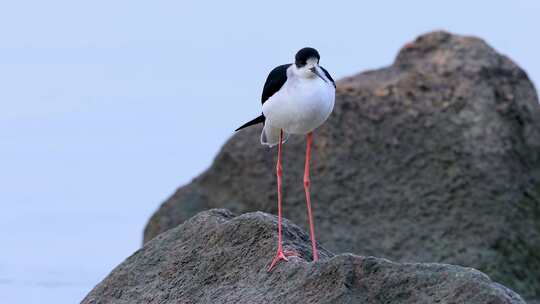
x,y
259,119
270,136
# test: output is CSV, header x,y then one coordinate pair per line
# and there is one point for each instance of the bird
x,y
297,98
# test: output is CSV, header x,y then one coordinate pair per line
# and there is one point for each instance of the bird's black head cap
x,y
304,54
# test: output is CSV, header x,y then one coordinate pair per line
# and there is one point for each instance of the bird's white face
x,y
310,70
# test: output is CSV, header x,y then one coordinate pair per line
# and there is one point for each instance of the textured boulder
x,y
217,258
432,159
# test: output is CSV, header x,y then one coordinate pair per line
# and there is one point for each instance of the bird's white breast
x,y
301,105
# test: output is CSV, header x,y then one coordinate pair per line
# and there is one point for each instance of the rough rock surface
x,y
217,258
433,159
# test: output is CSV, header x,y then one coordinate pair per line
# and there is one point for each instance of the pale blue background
x,y
107,106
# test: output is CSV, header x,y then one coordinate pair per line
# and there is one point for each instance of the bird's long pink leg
x,y
308,197
281,255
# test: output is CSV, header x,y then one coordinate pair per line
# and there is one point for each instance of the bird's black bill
x,y
316,72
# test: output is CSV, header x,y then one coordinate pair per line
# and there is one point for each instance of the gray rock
x,y
217,258
433,159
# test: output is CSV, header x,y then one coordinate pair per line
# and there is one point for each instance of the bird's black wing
x,y
274,81
328,76
257,120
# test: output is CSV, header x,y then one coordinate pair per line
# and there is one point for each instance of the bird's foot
x,y
281,255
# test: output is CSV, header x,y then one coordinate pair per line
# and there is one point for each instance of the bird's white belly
x,y
300,106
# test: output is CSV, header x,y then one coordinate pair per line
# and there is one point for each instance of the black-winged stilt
x,y
297,98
